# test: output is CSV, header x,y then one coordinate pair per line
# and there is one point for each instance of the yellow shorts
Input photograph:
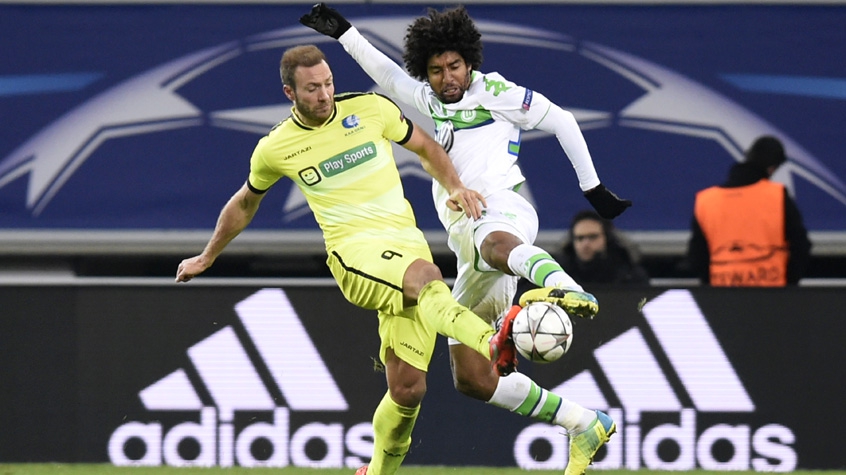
x,y
370,275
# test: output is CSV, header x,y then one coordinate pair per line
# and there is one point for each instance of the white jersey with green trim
x,y
481,132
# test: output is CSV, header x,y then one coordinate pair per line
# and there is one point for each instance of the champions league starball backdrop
x,y
135,117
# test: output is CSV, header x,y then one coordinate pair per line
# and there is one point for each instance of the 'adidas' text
x,y
233,383
631,367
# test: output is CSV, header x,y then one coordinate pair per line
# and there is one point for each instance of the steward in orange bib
x,y
748,231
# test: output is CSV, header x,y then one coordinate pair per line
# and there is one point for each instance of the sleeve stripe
x,y
408,134
254,189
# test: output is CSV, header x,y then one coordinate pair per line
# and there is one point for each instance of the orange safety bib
x,y
744,228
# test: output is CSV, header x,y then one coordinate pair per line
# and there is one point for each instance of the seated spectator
x,y
596,253
748,231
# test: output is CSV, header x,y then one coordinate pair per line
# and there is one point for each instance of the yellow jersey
x,y
345,168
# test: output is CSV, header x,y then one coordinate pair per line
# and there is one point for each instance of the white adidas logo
x,y
234,384
637,379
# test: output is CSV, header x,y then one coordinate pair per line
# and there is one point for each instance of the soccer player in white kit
x,y
478,119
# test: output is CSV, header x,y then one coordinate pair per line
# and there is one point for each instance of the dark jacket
x,y
617,266
743,174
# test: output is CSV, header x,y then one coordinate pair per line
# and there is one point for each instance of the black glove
x,y
606,203
326,20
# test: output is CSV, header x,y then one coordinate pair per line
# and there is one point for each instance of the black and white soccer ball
x,y
542,332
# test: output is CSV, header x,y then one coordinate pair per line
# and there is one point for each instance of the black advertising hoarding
x,y
192,375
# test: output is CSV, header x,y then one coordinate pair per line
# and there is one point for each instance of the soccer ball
x,y
542,332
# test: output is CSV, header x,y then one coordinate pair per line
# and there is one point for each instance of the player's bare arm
x,y
436,162
234,217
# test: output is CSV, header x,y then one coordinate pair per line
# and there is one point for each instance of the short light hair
x,y
304,55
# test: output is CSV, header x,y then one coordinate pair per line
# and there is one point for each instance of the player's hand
x,y
471,202
192,267
605,202
325,19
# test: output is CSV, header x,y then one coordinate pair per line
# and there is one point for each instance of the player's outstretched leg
x,y
449,318
584,445
574,302
503,352
556,286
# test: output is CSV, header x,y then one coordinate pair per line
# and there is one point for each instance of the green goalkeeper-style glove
x,y
606,203
325,19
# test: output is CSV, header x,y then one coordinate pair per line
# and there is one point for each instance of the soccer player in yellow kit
x,y
337,150
479,118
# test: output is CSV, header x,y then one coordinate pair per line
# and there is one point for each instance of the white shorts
x,y
486,291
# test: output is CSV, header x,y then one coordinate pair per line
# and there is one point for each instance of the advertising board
x,y
721,379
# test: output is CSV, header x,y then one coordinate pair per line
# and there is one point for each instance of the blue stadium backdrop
x,y
133,117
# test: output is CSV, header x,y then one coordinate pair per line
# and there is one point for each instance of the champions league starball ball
x,y
542,332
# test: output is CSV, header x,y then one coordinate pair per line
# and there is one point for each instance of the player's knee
x,y
419,274
408,395
406,383
428,273
496,248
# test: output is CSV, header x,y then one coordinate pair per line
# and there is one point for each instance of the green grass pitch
x,y
106,469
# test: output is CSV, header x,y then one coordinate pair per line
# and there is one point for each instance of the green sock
x,y
392,426
539,404
449,318
520,395
540,268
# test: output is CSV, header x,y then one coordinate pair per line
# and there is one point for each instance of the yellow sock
x,y
448,317
392,425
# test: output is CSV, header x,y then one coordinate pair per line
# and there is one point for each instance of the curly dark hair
x,y
437,33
